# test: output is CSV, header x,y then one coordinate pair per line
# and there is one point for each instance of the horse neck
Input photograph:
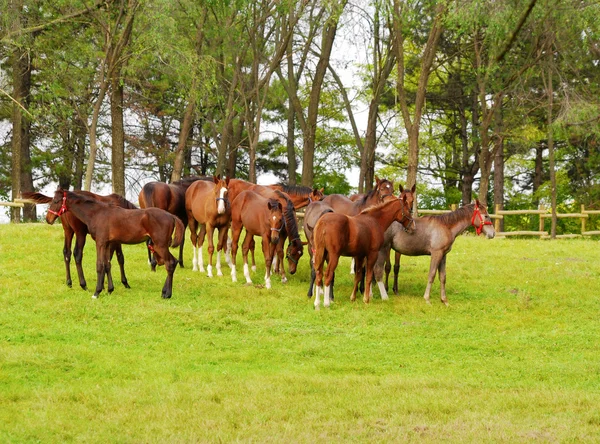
x,y
461,220
84,210
386,214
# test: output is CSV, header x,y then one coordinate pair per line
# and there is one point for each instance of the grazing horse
x,y
207,205
260,216
73,226
359,236
110,225
342,204
169,197
300,196
433,236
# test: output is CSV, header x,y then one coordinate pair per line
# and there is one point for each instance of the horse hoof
x,y
70,284
317,308
126,285
94,296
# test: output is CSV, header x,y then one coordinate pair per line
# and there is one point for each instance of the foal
x,y
110,225
75,227
359,236
433,236
260,216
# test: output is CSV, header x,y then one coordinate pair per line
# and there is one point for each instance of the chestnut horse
x,y
110,225
360,237
260,216
432,236
73,226
207,205
169,197
311,216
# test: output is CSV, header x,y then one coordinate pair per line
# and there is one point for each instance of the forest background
x,y
497,100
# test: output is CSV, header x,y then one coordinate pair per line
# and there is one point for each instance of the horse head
x,y
275,219
221,191
294,253
404,216
316,195
482,221
410,195
385,189
58,205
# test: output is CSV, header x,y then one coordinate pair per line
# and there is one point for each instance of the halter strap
x,y
482,221
287,252
63,207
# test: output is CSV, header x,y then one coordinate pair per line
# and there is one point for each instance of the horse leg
x,y
279,248
332,263
383,259
100,269
108,252
358,276
268,253
313,273
436,257
180,260
370,264
170,266
387,268
67,254
352,266
121,261
221,241
235,237
319,260
78,254
210,234
252,247
442,274
396,271
194,240
200,243
245,248
151,259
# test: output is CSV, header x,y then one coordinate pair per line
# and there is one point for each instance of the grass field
x,y
516,356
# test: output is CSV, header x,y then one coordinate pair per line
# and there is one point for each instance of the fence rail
x,y
498,215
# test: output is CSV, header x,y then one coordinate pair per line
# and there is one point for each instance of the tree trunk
x,y
118,135
186,127
291,147
538,174
499,170
551,163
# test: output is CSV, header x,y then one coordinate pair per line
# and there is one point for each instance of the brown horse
x,y
260,216
432,236
169,197
110,225
342,204
73,226
207,205
359,236
311,216
300,196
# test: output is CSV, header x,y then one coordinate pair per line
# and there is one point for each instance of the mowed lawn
x,y
516,356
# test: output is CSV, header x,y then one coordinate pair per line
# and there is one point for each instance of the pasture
x,y
515,357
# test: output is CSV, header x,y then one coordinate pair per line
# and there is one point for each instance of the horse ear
x,y
215,179
279,206
227,179
400,188
477,203
413,189
322,190
377,180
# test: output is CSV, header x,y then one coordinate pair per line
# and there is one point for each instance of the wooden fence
x,y
498,215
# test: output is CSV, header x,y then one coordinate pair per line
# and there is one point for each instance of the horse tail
x,y
179,232
146,196
36,197
319,246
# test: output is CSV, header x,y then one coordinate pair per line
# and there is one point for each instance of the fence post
x,y
541,226
496,221
582,219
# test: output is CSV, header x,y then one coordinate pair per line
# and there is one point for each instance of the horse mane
x,y
122,202
457,215
295,190
289,216
187,181
364,199
376,206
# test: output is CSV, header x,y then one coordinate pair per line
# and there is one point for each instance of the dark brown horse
x,y
432,236
360,237
169,197
207,205
300,196
260,216
110,225
72,226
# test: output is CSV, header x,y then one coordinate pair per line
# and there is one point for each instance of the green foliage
x,y
512,358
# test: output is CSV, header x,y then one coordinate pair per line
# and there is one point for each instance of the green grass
x,y
516,356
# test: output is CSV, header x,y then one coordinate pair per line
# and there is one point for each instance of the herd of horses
x,y
365,227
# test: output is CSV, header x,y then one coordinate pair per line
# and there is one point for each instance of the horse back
x,y
341,204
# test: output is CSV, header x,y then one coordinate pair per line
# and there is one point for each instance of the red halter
x,y
63,207
482,221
